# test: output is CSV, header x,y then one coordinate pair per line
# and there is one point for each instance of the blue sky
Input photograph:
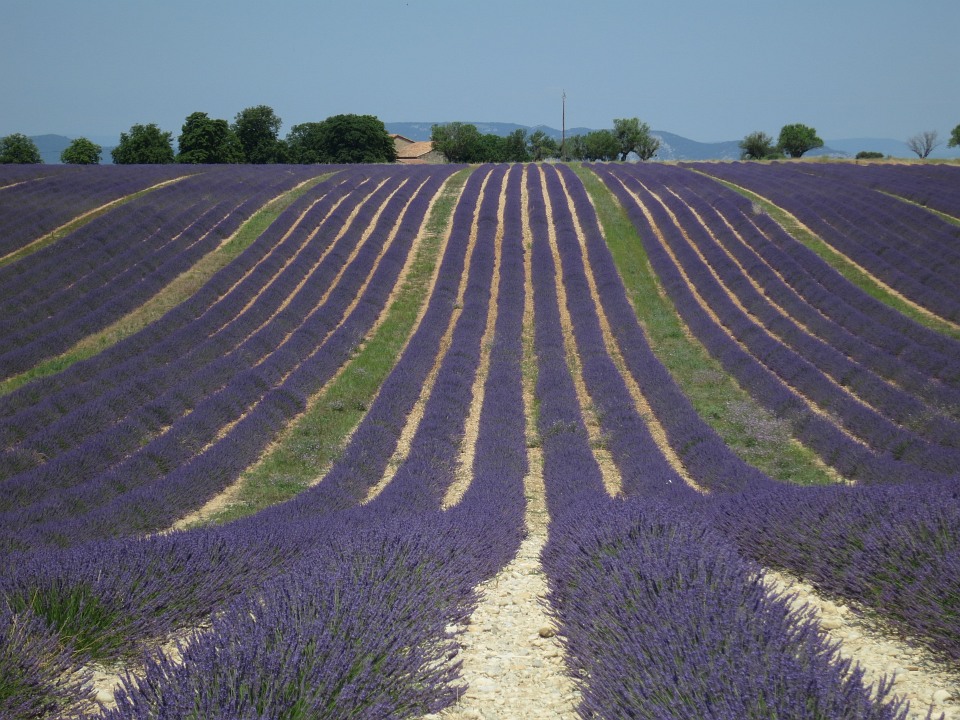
x,y
707,69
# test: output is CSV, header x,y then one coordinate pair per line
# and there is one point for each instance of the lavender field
x,y
364,390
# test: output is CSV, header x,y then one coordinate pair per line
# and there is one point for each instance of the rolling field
x,y
273,438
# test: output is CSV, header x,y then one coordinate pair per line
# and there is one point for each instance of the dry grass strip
x,y
656,429
716,320
227,496
416,414
757,321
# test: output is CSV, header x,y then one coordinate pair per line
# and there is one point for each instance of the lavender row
x,y
849,457
125,228
81,310
643,467
706,457
244,274
221,314
155,395
822,312
889,401
423,478
363,610
933,186
12,174
902,234
621,571
895,549
151,486
922,235
106,248
874,321
850,227
34,208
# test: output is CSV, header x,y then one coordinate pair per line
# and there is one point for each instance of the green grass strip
x,y
748,429
79,222
842,265
317,438
179,290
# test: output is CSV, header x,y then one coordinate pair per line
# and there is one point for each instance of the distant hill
x,y
50,147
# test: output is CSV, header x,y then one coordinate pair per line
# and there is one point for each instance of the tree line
x,y
463,142
253,137
797,139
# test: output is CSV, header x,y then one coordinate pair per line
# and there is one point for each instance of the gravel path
x,y
919,677
511,658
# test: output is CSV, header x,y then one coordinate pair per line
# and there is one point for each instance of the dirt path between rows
x,y
511,657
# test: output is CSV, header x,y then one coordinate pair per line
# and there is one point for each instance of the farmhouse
x,y
411,152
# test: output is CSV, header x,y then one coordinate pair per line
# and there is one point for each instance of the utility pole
x,y
563,129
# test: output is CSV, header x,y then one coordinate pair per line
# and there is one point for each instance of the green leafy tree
x,y
305,144
796,139
515,146
459,142
19,149
954,137
634,136
355,139
492,148
601,145
81,152
757,146
206,140
144,145
258,129
541,146
574,148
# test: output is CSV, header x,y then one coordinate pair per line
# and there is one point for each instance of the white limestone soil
x,y
512,660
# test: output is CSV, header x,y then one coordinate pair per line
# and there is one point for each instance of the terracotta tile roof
x,y
415,150
397,136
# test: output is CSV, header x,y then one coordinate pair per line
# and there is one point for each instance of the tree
x,y
258,128
81,152
923,143
757,146
355,139
541,146
460,142
797,139
206,140
954,137
600,145
634,136
19,149
304,144
515,146
492,148
574,147
144,145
